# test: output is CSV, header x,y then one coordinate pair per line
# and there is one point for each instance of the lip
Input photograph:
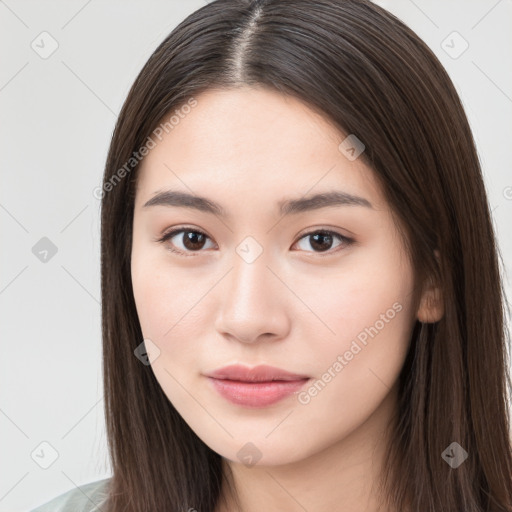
x,y
260,386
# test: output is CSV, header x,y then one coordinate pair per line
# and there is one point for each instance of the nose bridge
x,y
251,303
250,283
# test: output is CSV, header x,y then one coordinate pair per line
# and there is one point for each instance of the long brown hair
x,y
372,76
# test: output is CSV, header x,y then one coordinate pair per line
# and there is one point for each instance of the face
x,y
319,289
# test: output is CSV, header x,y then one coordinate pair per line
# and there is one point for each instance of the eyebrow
x,y
286,207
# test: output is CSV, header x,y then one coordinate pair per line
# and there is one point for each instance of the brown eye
x,y
190,241
185,240
193,240
322,241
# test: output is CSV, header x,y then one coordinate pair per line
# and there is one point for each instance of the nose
x,y
253,303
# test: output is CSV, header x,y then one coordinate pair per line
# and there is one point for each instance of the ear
x,y
431,307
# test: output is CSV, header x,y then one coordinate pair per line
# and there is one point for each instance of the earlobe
x,y
431,308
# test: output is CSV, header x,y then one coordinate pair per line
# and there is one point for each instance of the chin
x,y
260,451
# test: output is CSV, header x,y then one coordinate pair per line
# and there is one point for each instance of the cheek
x,y
367,317
151,295
171,305
350,300
161,300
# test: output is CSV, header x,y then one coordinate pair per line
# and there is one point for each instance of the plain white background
x,y
58,114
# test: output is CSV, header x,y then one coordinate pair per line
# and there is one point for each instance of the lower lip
x,y
256,394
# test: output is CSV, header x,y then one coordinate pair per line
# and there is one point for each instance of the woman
x,y
302,306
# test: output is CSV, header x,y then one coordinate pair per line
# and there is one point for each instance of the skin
x,y
295,307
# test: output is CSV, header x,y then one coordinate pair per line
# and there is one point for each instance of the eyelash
x,y
346,241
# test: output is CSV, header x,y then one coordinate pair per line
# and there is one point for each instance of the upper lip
x,y
261,373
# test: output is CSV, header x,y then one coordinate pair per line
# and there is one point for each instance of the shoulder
x,y
86,498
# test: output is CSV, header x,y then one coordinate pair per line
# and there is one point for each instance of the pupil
x,y
191,241
322,238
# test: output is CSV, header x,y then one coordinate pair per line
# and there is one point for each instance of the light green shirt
x,y
86,498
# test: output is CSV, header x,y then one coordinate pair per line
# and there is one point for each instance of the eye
x,y
322,240
191,240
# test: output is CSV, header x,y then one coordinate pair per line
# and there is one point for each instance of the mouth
x,y
260,386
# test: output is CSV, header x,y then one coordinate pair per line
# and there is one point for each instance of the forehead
x,y
253,141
